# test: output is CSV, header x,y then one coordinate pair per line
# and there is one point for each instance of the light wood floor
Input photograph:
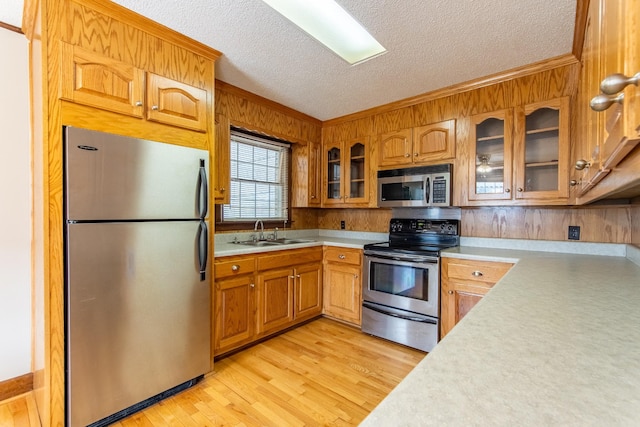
x,y
320,374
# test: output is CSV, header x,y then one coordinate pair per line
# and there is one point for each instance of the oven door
x,y
408,190
412,285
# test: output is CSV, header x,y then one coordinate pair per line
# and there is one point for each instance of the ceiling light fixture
x,y
484,167
331,25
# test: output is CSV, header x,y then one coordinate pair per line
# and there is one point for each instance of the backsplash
x,y
597,224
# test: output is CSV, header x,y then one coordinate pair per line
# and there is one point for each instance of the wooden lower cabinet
x,y
234,312
275,300
260,294
463,284
343,284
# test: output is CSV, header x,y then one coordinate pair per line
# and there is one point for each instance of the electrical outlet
x,y
574,232
341,225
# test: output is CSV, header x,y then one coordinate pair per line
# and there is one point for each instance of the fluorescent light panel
x,y
332,26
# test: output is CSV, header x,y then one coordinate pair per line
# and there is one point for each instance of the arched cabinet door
x,y
175,103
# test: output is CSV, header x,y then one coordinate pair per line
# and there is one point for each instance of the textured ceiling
x,y
431,44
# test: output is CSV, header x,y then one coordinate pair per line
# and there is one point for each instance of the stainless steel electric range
x,y
401,277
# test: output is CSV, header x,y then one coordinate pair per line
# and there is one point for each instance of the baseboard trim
x,y
16,386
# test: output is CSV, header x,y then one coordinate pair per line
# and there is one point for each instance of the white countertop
x,y
348,239
555,343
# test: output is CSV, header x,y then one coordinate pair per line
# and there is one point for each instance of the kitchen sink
x,y
277,242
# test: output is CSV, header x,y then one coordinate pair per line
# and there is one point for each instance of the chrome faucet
x,y
255,228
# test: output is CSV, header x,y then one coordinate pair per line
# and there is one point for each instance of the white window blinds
x,y
259,179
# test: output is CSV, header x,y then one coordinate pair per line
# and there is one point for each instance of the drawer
x,y
479,271
234,267
289,258
343,255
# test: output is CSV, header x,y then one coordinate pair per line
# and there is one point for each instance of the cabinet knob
x,y
407,155
138,103
235,267
313,196
292,277
602,102
616,82
520,189
154,107
450,292
581,164
222,190
297,276
415,154
507,190
252,285
477,274
355,276
341,256
573,183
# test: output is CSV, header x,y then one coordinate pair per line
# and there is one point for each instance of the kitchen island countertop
x,y
555,342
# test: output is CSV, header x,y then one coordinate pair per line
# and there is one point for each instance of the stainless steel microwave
x,y
423,186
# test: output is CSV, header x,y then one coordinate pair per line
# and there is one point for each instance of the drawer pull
x,y
138,103
252,285
235,267
477,274
341,256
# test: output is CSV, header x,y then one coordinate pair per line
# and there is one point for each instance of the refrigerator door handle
x,y
203,191
203,248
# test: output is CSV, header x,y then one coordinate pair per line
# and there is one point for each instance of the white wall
x,y
15,207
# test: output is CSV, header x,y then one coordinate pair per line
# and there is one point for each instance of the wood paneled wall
x,y
252,112
601,225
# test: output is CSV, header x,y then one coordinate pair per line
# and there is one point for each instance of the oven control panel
x,y
405,225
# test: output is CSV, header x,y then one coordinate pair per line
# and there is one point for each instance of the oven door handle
x,y
388,313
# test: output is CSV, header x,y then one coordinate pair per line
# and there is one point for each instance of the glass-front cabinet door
x,y
357,169
346,179
333,162
542,150
491,150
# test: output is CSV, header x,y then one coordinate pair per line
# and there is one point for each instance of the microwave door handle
x,y
427,190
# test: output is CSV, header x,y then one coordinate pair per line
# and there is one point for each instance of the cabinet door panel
x,y
221,174
275,300
308,296
176,103
234,311
491,147
98,81
395,147
542,150
436,141
342,297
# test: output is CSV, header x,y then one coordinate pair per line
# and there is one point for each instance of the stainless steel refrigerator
x,y
137,284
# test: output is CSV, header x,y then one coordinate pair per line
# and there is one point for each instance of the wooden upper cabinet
x,y
610,130
491,154
306,181
346,178
520,155
424,144
541,156
221,173
434,142
174,103
395,148
98,81
95,80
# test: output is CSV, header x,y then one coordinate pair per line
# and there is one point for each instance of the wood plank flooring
x,y
323,373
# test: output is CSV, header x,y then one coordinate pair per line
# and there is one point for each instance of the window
x,y
259,179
